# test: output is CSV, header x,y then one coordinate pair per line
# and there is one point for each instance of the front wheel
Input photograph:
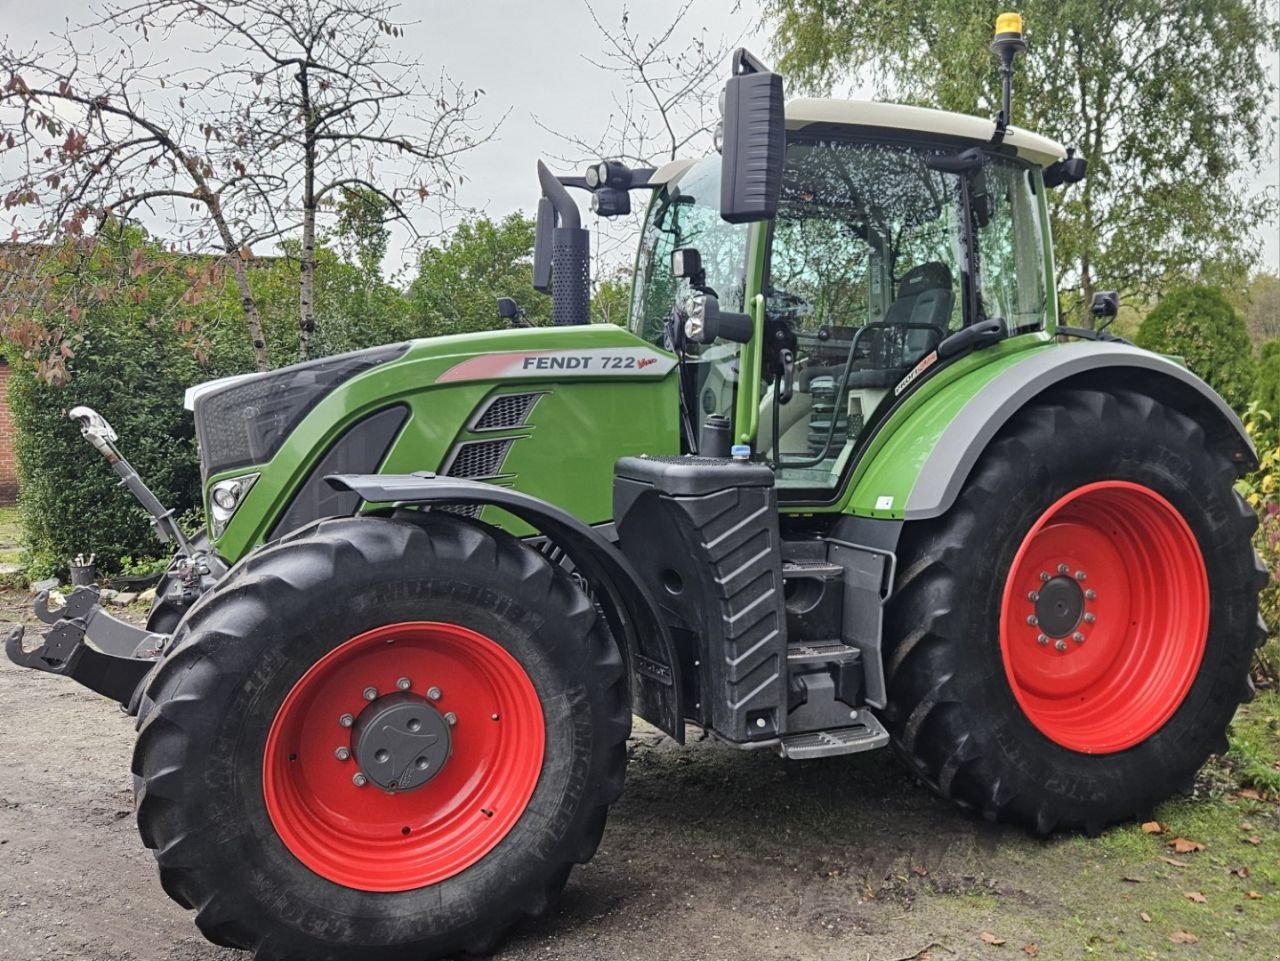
x,y
1071,640
381,739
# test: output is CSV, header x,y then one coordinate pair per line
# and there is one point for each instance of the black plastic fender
x,y
630,608
1092,363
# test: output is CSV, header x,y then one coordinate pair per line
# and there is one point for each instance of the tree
x,y
1261,308
1169,103
1199,325
113,158
283,106
460,279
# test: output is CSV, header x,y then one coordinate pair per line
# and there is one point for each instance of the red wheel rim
x,y
376,840
1103,673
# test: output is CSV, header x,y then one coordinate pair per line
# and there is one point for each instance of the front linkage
x,y
87,644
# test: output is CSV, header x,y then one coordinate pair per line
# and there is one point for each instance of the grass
x,y
10,535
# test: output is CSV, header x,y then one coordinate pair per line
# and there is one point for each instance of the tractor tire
x,y
1068,643
332,668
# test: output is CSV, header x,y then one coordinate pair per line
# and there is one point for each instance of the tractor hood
x,y
495,405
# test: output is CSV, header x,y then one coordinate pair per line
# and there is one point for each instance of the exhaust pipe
x,y
562,254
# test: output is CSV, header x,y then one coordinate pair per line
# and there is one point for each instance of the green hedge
x,y
136,353
1199,324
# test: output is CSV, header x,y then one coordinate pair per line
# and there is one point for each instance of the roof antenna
x,y
1007,45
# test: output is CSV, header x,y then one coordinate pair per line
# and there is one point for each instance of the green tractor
x,y
843,482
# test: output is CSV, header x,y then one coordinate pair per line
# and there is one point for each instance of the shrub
x,y
1199,325
1262,491
1267,384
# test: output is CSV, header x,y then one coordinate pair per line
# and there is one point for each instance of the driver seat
x,y
925,296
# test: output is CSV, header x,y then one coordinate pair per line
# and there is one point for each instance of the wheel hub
x,y
1060,606
401,742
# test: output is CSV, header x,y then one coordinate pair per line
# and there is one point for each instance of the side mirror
x,y
707,322
1106,303
542,245
753,143
686,263
508,309
1069,171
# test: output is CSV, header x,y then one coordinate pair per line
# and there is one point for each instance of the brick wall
x,y
8,465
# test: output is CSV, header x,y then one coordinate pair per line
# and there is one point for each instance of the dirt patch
x,y
711,854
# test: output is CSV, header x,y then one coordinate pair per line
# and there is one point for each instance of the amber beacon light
x,y
1008,43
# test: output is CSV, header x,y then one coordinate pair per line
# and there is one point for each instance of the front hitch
x,y
95,429
88,645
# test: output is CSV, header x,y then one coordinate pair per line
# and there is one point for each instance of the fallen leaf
x,y
1175,862
1185,845
1031,950
1195,896
1133,879
1183,937
1240,872
1246,826
1152,827
1145,917
920,872
1253,895
1255,840
1253,794
990,938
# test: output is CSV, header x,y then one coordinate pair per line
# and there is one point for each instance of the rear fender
x,y
1100,365
631,611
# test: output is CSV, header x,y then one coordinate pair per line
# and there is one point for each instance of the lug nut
x,y
1089,618
403,684
1080,575
1059,645
1078,637
1032,620
346,720
1063,568
1045,576
1042,639
434,693
370,693
451,719
1091,595
342,753
359,780
1032,596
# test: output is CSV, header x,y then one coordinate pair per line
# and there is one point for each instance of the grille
x,y
508,410
462,510
246,422
478,458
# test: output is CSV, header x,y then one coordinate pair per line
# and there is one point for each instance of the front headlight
x,y
225,498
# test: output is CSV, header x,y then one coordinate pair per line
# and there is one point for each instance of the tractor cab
x,y
896,228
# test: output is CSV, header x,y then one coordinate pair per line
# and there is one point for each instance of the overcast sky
x,y
528,57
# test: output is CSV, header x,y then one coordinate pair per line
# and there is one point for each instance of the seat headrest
x,y
931,276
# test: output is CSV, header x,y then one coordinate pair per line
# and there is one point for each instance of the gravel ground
x,y
711,854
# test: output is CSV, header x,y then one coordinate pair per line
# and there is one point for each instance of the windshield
x,y
879,251
687,214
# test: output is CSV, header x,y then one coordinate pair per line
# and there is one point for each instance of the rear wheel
x,y
381,739
1072,639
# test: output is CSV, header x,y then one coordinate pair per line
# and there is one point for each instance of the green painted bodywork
x,y
580,426
565,451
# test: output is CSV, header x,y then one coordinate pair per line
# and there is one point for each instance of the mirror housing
x,y
1070,170
1106,303
753,143
707,322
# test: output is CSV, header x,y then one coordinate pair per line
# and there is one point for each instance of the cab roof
x,y
806,111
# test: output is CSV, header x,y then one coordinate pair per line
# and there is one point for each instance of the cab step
x,y
865,734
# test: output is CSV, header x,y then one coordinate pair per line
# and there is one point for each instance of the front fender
x,y
627,603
